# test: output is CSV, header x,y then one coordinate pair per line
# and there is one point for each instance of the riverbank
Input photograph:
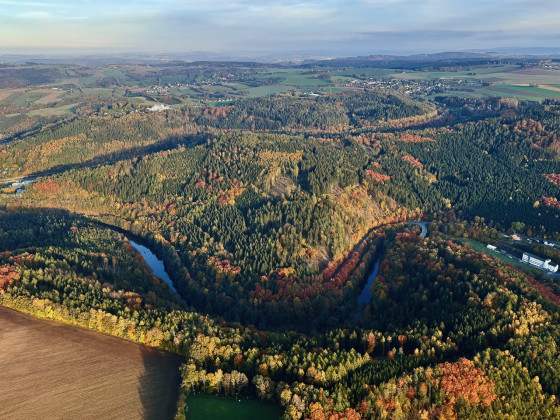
x,y
365,296
157,266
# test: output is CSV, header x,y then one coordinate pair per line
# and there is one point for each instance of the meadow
x,y
202,407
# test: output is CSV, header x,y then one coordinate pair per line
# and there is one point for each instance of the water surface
x,y
365,296
155,264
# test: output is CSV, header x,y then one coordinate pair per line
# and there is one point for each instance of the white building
x,y
539,262
159,107
492,247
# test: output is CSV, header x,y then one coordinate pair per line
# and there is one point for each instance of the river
x,y
19,184
155,264
423,226
365,296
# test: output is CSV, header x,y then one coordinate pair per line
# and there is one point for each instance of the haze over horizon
x,y
250,27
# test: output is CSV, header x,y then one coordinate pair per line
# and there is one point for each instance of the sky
x,y
244,27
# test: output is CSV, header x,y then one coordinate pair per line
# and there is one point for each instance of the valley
x,y
295,241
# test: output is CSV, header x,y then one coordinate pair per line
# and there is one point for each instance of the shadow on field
x,y
159,384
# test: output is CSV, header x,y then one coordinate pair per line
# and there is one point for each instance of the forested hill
x,y
116,131
266,214
273,216
329,112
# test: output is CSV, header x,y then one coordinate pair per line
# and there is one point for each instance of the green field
x,y
269,90
367,71
189,91
488,92
217,89
461,93
492,70
530,91
518,77
519,92
342,79
101,91
499,73
140,100
27,98
480,247
60,110
291,81
297,78
203,407
114,72
93,75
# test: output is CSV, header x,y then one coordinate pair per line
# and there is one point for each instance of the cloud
x,y
25,3
35,14
384,2
217,25
291,14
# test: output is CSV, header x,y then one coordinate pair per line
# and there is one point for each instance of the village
x,y
408,87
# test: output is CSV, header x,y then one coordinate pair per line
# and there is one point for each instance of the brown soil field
x,y
549,88
540,86
55,371
7,93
